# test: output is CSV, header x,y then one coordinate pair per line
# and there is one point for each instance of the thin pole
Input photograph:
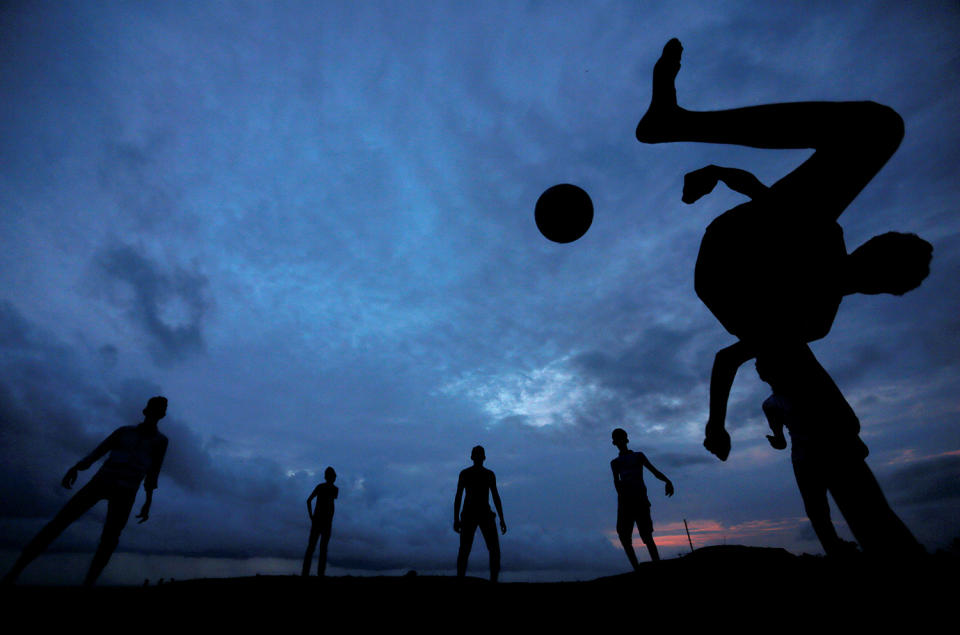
x,y
688,534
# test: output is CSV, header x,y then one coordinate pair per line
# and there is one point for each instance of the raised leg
x,y
853,140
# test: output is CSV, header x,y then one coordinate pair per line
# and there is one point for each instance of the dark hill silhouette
x,y
713,586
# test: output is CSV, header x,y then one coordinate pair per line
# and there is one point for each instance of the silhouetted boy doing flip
x,y
479,483
633,506
136,454
322,517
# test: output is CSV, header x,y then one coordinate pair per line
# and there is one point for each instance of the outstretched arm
x,y
668,489
456,505
725,366
105,446
496,503
701,182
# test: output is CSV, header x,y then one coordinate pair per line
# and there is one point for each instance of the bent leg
x,y
853,140
489,531
79,504
118,511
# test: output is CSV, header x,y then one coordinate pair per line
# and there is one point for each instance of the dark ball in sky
x,y
563,213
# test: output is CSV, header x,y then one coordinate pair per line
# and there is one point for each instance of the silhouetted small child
x,y
322,517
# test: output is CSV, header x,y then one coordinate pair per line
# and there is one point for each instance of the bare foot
x,y
655,125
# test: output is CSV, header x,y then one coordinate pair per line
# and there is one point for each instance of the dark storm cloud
x,y
934,480
653,364
169,305
677,460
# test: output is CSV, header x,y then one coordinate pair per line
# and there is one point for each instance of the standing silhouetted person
x,y
322,517
135,456
633,506
479,483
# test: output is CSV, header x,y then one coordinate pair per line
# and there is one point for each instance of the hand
x,y
777,441
144,514
668,489
70,478
456,526
699,183
503,527
717,441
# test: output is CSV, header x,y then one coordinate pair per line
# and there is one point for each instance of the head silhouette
x,y
329,475
890,263
477,454
156,408
619,436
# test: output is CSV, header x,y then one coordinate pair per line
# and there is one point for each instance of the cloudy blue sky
x,y
310,226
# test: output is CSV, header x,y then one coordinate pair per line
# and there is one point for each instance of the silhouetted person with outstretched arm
x,y
135,455
322,516
479,483
633,506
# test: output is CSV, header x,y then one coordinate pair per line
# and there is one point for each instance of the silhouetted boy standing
x,y
633,506
322,517
479,483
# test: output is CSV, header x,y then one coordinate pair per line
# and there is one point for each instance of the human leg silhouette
x,y
873,523
852,140
627,517
79,504
488,529
119,505
468,527
647,539
322,556
813,491
626,541
311,546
